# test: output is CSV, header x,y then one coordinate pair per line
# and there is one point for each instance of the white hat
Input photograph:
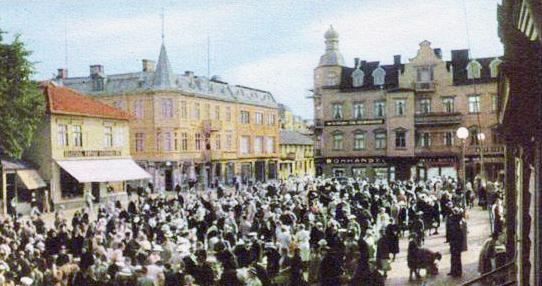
x,y
27,280
157,247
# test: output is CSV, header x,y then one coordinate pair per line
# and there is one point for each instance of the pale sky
x,y
270,45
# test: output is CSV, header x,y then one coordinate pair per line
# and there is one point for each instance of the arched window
x,y
379,76
473,69
357,77
494,66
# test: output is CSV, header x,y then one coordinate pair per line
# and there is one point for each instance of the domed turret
x,y
332,57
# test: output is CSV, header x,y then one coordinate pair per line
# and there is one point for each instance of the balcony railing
x,y
288,156
424,86
437,118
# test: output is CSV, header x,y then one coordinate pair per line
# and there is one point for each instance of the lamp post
x,y
481,137
462,133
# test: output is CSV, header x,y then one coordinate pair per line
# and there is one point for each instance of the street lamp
x,y
481,137
462,133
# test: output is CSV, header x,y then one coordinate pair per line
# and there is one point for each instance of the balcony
x,y
432,119
424,86
437,151
211,125
487,150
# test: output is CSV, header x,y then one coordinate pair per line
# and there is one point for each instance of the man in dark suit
x,y
455,239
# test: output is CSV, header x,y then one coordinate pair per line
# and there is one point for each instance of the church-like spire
x,y
162,75
332,57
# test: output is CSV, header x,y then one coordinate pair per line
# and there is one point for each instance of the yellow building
x,y
190,126
296,154
82,146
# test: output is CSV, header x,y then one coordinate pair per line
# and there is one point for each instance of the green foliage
x,y
21,102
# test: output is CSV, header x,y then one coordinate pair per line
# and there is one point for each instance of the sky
x,y
272,45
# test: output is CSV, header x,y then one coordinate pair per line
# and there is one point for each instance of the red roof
x,y
64,100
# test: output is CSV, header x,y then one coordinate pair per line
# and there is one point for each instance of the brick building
x,y
399,121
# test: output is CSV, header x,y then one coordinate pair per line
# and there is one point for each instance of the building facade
x,y
190,127
520,118
296,154
399,121
82,145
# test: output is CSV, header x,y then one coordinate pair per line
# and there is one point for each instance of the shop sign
x,y
355,160
91,153
354,122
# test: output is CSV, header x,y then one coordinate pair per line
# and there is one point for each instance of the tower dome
x,y
332,57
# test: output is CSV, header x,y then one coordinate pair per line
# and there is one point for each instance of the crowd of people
x,y
302,231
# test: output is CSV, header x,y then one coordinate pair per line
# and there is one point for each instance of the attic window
x,y
357,77
473,70
379,76
494,66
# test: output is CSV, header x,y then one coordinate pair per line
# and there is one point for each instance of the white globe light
x,y
462,133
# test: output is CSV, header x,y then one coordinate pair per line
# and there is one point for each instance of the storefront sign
x,y
355,160
91,153
354,122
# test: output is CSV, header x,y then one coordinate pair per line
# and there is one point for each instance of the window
x,y
118,104
207,111
228,114
258,145
217,142
167,108
245,117
108,136
379,108
474,104
184,141
217,113
229,141
77,136
196,110
63,135
167,141
159,141
138,108
198,141
357,77
449,139
380,140
424,74
176,141
258,118
424,106
400,139
119,137
494,107
400,105
338,141
473,69
271,119
337,111
139,142
473,136
98,83
270,144
494,66
424,140
379,76
244,145
448,104
184,112
359,140
358,110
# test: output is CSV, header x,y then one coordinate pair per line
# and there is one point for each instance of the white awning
x,y
107,170
31,179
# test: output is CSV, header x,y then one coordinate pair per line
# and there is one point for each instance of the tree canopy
x,y
21,102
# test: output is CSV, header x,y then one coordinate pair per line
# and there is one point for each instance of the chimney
x,y
356,62
148,66
397,60
96,70
62,74
438,53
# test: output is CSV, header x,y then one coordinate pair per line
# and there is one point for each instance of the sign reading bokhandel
x,y
92,153
355,160
354,122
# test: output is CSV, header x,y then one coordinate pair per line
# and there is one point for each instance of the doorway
x,y
96,192
168,174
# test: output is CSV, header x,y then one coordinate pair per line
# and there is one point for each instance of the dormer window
x,y
473,70
494,67
379,76
357,77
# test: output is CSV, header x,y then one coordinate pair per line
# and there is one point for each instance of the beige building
x,y
400,120
82,145
296,154
190,126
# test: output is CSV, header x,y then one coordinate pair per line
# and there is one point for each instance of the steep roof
x,y
290,137
64,100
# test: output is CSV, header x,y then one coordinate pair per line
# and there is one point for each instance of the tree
x,y
21,102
